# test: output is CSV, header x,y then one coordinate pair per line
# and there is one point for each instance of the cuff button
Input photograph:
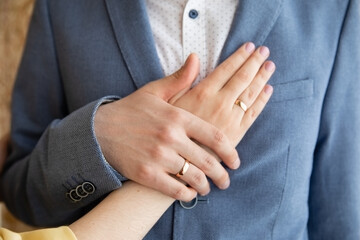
x,y
88,187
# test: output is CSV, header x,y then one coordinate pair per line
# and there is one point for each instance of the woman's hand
x,y
243,77
230,98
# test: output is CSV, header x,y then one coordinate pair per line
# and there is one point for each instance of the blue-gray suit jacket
x,y
300,173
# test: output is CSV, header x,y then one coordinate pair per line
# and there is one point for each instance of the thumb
x,y
168,87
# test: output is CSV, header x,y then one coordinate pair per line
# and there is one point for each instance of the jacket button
x,y
189,205
74,196
81,192
88,187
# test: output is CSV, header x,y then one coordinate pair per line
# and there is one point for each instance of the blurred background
x,y
14,20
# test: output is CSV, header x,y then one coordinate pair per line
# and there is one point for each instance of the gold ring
x,y
241,104
184,168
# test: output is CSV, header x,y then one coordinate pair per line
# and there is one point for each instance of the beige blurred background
x,y
14,20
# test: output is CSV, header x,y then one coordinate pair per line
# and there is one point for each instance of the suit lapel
x,y
134,37
253,21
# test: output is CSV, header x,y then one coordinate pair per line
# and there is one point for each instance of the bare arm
x,y
127,213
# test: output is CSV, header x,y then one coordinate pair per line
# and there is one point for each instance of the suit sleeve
x,y
56,171
334,200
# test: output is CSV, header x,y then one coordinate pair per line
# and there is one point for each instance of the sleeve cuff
x,y
105,100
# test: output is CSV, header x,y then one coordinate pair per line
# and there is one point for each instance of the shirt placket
x,y
193,41
194,33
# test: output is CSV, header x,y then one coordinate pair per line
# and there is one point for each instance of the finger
x,y
229,67
207,163
254,111
193,74
249,95
193,176
245,75
170,86
196,179
172,187
211,137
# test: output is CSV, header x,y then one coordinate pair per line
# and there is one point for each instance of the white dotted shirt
x,y
181,27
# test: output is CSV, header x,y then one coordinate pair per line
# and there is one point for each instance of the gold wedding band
x,y
184,168
241,104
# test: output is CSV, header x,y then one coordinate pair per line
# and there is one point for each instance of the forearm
x,y
127,213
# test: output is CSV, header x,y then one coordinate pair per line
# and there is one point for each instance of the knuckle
x,y
167,134
250,93
174,115
198,180
222,108
157,152
229,67
145,173
208,163
179,193
202,95
219,137
252,112
243,74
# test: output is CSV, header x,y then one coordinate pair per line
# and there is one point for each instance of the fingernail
x,y
250,47
269,66
226,184
268,89
264,51
237,164
187,60
206,193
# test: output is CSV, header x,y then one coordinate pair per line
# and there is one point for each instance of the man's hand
x,y
146,139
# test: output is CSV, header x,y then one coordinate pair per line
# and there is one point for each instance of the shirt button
x,y
193,14
189,205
